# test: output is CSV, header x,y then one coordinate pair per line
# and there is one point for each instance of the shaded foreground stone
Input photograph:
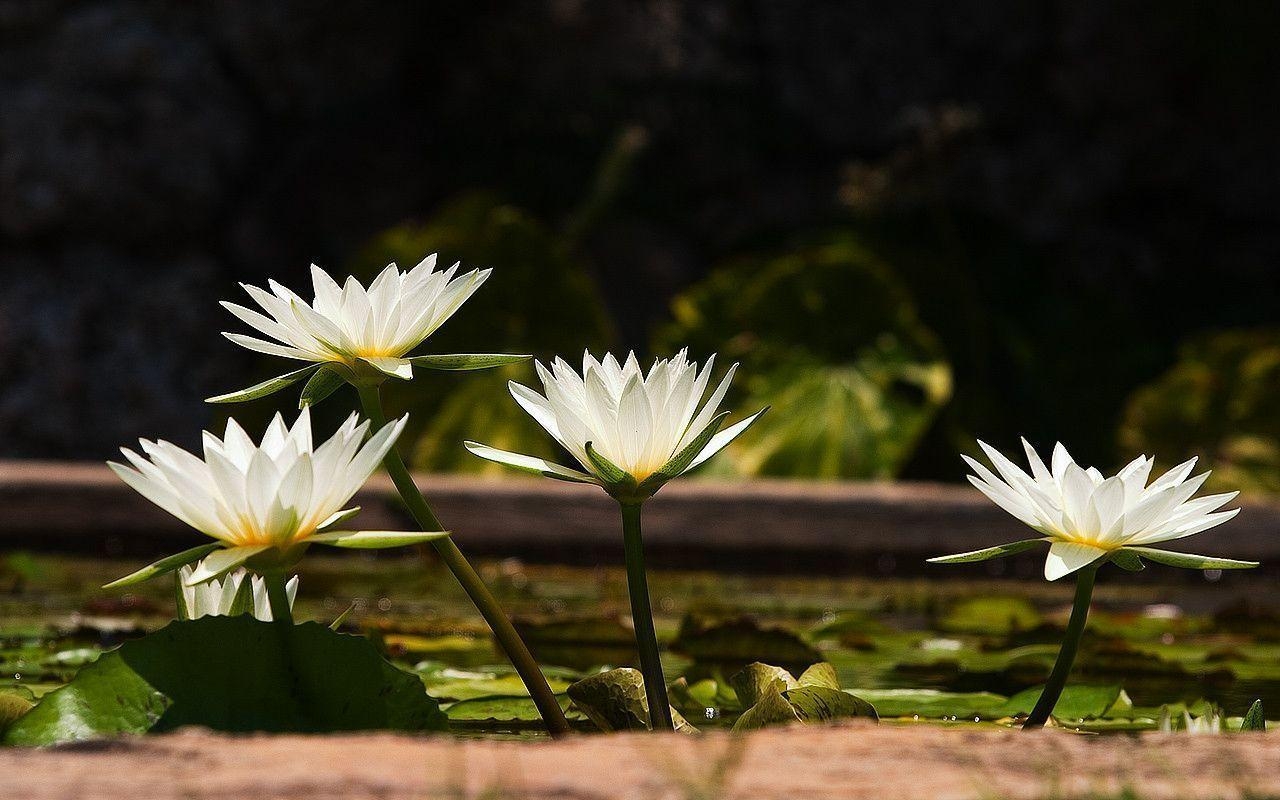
x,y
859,761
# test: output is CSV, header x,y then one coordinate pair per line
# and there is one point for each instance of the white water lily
x,y
358,333
631,431
266,502
240,592
1208,723
1088,518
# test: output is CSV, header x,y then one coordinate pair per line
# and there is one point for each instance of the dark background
x,y
1071,208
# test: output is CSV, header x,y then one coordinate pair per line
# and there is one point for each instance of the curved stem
x,y
278,597
510,642
1067,654
655,686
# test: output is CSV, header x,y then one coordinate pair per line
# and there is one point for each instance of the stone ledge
x,y
81,506
886,761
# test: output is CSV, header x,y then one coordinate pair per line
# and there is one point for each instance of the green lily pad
x,y
934,704
233,674
581,643
1076,702
509,709
741,641
990,615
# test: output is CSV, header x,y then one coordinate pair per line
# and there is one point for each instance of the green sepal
x,y
1190,561
266,387
681,461
1127,560
224,560
616,482
164,565
375,540
325,382
467,361
987,554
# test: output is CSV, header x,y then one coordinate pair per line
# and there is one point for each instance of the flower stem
x,y
278,596
485,602
655,686
1067,654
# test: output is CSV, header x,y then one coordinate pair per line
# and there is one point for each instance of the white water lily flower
x,y
357,331
238,593
1088,518
267,501
630,431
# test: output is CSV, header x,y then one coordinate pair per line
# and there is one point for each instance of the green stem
x,y
1067,654
655,686
278,597
510,642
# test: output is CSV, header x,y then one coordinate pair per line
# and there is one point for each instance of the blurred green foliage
x,y
1219,401
830,336
545,303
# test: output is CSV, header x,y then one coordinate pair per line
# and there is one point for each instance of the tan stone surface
x,y
846,762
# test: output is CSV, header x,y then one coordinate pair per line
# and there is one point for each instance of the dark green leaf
x,y
467,361
165,565
737,642
266,387
325,382
233,674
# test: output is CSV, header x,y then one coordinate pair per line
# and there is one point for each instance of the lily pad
x,y
741,641
233,674
1076,702
990,615
509,709
934,704
581,643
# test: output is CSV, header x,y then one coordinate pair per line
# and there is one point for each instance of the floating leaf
x,y
233,674
934,704
990,615
740,641
505,709
1075,703
580,643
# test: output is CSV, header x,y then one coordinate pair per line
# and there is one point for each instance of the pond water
x,y
952,650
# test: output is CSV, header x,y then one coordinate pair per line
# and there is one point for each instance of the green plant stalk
x,y
1067,654
655,686
510,641
278,596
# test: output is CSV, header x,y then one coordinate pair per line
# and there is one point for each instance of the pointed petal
x,y
1067,557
